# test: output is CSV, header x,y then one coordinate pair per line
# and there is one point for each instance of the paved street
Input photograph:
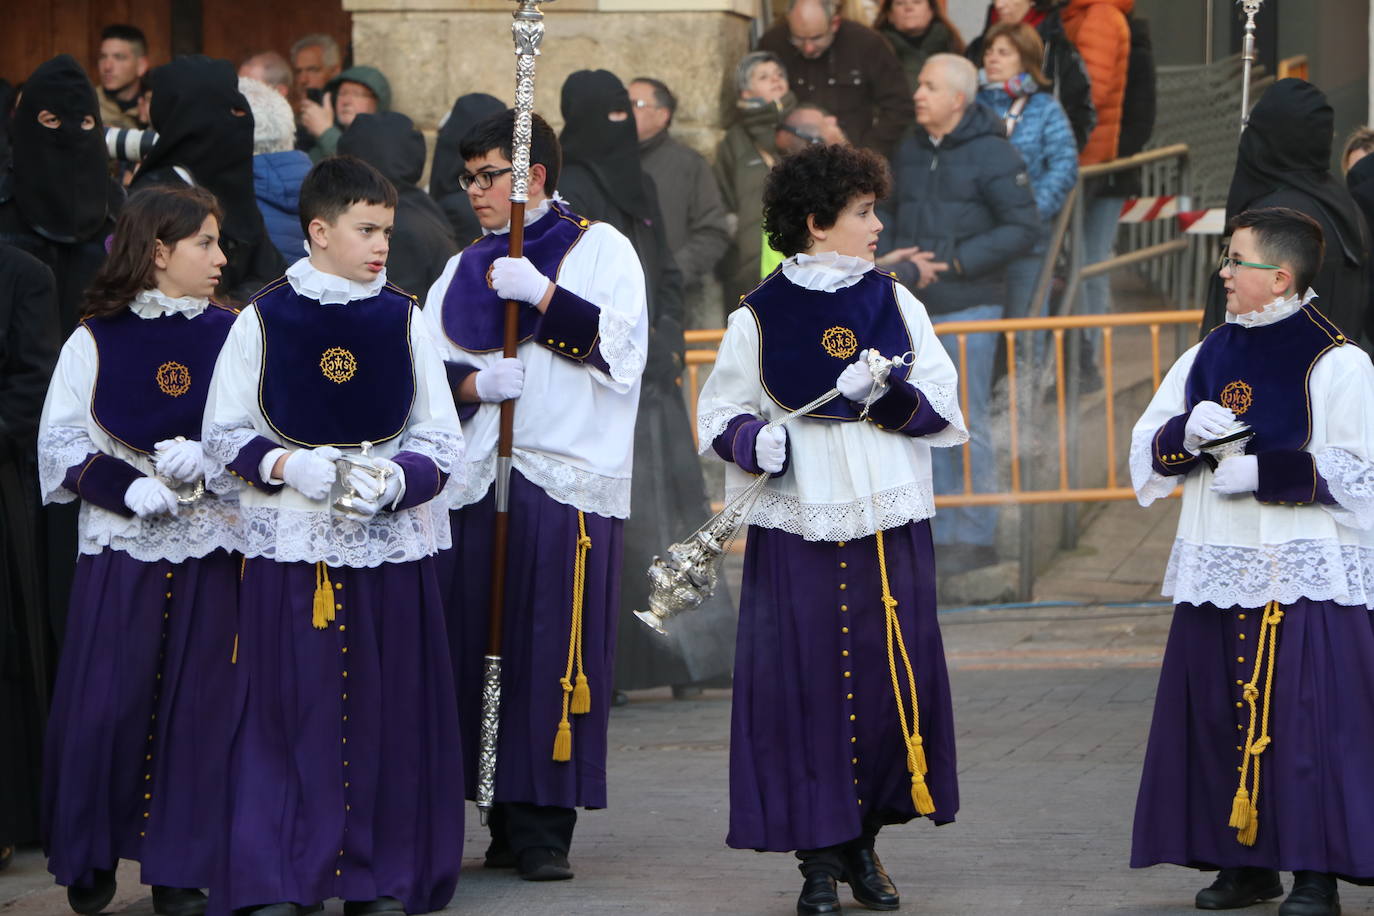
x,y
1052,701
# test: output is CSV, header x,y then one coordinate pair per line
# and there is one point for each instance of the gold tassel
x,y
1246,835
324,598
1240,809
562,743
582,697
896,646
920,795
918,755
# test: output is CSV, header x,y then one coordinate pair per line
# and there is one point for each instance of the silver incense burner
x,y
1229,445
346,504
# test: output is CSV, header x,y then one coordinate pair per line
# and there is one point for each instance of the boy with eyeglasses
x,y
1266,671
583,336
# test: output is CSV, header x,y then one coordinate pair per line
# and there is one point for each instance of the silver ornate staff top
x,y
528,31
1251,9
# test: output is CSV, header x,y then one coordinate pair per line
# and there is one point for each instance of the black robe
x,y
668,495
468,111
28,647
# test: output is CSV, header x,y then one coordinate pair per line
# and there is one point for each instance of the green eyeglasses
x,y
1227,263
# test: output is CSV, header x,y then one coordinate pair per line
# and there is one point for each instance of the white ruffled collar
x,y
1272,313
330,289
154,303
827,271
531,214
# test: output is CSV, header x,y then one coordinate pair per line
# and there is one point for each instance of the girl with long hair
x,y
138,733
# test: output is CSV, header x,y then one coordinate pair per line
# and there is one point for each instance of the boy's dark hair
x,y
498,132
130,33
339,182
818,181
1287,238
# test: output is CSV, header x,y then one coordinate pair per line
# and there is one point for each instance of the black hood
x,y
205,126
467,113
60,175
608,149
389,142
1288,145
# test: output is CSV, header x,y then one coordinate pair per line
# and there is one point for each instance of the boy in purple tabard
x,y
140,720
1261,749
345,771
841,721
583,340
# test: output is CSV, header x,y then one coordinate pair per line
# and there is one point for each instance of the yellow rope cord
x,y
576,699
915,751
1245,806
323,611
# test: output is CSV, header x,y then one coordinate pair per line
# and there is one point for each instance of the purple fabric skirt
x,y
534,644
140,724
815,741
346,768
1316,801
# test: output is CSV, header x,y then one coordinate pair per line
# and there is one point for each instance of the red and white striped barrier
x,y
1203,222
1149,209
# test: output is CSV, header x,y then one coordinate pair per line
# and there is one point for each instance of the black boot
x,y
818,895
1314,894
868,880
93,899
373,907
1238,887
178,901
543,863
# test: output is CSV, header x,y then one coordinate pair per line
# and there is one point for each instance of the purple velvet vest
x,y
336,374
474,316
1261,375
153,374
807,337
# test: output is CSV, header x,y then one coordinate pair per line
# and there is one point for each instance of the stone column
x,y
433,51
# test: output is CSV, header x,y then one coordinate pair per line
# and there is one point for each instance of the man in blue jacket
x,y
961,209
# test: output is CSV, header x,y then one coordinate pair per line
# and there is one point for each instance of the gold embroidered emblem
x,y
173,379
839,342
1237,397
338,365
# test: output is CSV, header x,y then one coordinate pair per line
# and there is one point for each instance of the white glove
x,y
503,380
182,461
518,279
311,472
1239,474
372,495
148,496
856,381
1208,420
770,449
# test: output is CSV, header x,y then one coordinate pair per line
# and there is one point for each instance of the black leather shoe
x,y
868,881
373,907
1314,894
178,901
818,895
543,863
1238,887
93,899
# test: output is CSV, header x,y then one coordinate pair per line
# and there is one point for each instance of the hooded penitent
x,y
468,111
61,183
608,148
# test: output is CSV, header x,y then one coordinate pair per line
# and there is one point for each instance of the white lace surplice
x,y
847,480
574,424
288,527
1233,551
67,434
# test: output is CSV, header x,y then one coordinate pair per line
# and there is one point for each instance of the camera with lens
x,y
128,144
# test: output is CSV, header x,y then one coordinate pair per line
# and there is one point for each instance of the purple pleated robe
x,y
1316,801
815,741
140,725
537,628
346,771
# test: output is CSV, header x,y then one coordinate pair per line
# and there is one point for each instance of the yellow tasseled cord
x,y
915,751
1245,806
577,697
324,598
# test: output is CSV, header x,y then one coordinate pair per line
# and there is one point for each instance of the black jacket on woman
x,y
1063,67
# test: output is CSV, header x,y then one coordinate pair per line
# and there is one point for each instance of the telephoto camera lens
x,y
128,144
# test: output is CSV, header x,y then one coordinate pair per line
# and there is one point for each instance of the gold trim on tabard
x,y
173,379
338,364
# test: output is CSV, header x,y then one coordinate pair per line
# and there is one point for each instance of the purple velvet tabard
x,y
474,316
807,337
336,374
154,373
1261,375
